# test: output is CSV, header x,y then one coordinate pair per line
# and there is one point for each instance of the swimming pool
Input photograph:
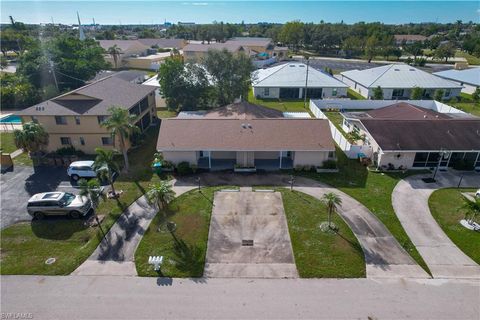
x,y
11,119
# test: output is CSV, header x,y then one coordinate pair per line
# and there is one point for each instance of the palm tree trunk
x,y
329,217
111,186
124,152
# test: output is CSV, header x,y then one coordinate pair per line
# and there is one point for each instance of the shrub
x,y
69,151
184,168
167,164
329,164
307,168
194,168
298,168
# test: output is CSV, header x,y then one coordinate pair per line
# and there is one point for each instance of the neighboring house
x,y
147,62
194,52
397,82
246,136
74,118
468,78
128,48
132,76
164,43
401,39
263,48
287,81
406,136
159,100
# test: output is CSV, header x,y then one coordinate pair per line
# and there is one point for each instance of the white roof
x,y
293,75
300,115
469,76
397,76
153,81
86,163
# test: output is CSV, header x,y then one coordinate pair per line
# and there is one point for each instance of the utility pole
x,y
53,73
306,85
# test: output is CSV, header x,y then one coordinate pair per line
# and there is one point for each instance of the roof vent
x,y
292,65
244,126
396,69
301,66
424,116
411,69
249,126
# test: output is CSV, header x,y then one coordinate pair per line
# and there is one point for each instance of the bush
x,y
329,164
167,164
298,168
69,151
184,168
194,168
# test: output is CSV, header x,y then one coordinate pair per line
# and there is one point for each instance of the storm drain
x,y
247,243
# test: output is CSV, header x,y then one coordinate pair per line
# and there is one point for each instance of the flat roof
x,y
245,135
293,75
398,76
411,135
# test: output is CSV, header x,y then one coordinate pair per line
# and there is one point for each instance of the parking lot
x,y
17,186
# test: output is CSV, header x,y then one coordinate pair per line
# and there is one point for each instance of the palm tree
x,y
160,194
471,208
106,166
331,200
32,138
119,124
92,190
115,53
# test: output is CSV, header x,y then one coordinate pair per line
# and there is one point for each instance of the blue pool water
x,y
11,119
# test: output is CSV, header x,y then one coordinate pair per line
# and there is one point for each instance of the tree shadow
x,y
355,245
187,258
58,228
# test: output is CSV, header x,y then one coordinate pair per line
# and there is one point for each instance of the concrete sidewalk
x,y
410,202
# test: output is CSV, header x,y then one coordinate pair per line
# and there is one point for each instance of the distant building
x,y
468,78
287,81
163,43
397,82
74,118
401,39
262,48
194,52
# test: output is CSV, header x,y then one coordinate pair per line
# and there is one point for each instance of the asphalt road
x,y
107,297
17,186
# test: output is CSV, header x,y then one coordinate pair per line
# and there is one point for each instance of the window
x,y
34,119
397,93
331,154
82,141
266,92
65,141
334,92
135,110
77,120
107,141
144,104
420,159
101,119
60,120
447,93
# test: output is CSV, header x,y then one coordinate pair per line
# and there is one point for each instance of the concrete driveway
x,y
242,216
17,186
410,202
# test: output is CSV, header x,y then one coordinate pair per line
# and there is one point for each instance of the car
x,y
81,169
58,203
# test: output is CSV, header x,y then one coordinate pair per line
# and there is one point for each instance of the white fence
x,y
341,104
352,151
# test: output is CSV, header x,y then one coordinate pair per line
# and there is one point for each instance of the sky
x,y
200,11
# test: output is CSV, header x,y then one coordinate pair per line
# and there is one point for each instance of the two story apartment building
x,y
75,118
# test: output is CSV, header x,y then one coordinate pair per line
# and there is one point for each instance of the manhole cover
x,y
50,261
247,243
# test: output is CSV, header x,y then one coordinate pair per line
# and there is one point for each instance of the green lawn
x,y
471,59
296,105
466,104
374,191
7,143
165,113
444,205
26,246
191,212
354,95
318,254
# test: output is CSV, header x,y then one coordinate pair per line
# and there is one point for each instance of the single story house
x,y
127,48
401,39
241,135
194,52
397,82
164,43
263,48
74,118
132,76
287,81
410,137
468,78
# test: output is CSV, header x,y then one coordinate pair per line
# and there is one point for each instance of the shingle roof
x,y
251,41
470,76
127,75
97,98
241,135
242,110
393,135
195,47
293,74
397,76
411,37
163,43
405,111
124,45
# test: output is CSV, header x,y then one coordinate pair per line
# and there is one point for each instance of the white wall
x,y
274,93
405,159
309,158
